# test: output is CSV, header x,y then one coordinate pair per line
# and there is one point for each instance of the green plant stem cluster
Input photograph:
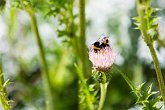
x,y
142,7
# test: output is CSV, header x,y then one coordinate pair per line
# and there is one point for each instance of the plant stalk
x,y
83,54
158,71
148,40
82,45
103,87
44,66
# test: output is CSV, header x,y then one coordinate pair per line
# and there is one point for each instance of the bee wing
x,y
103,38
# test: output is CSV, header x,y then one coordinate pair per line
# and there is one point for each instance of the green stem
x,y
3,93
82,46
158,71
83,54
142,7
44,66
143,26
103,87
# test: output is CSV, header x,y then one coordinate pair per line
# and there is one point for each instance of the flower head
x,y
102,59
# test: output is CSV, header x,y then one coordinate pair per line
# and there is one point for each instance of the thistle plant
x,y
87,93
5,102
3,93
147,23
102,60
145,98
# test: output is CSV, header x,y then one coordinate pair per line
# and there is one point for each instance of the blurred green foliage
x,y
22,66
2,4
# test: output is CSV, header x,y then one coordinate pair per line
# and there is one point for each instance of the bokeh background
x,y
19,52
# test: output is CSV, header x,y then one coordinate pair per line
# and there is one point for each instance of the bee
x,y
102,42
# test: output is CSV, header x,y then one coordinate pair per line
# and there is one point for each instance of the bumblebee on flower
x,y
101,54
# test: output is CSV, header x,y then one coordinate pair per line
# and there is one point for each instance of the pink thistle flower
x,y
103,59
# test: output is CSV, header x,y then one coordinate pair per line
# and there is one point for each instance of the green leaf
x,y
144,98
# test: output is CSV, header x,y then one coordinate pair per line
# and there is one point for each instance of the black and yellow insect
x,y
102,42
